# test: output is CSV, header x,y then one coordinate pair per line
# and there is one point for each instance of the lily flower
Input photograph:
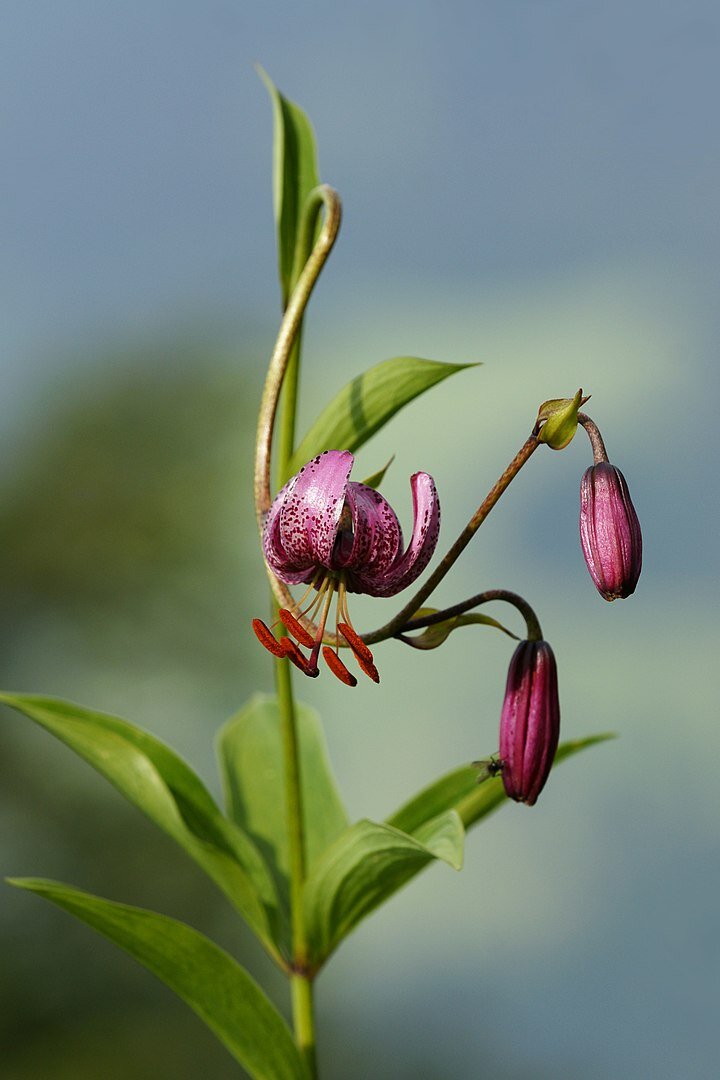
x,y
337,537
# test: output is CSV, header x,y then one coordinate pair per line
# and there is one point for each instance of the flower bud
x,y
557,420
609,531
530,721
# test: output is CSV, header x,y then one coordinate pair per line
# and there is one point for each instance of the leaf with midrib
x,y
252,770
214,985
459,790
295,174
367,402
367,864
158,782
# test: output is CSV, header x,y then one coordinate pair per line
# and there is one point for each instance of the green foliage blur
x,y
129,566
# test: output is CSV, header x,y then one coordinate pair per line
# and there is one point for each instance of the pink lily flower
x,y
339,536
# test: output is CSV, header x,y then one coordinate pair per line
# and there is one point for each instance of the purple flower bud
x,y
530,721
609,531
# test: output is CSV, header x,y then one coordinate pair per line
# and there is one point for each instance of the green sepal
x,y
559,419
210,981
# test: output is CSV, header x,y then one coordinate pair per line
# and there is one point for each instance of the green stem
x,y
287,411
300,980
284,345
318,198
534,633
283,377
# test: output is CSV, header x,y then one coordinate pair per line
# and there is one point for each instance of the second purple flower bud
x,y
530,721
609,531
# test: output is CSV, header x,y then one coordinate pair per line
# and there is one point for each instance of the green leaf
x,y
295,174
251,765
153,778
364,867
459,790
214,985
437,633
376,478
367,402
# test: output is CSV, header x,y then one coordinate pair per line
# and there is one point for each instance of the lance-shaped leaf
x,y
251,764
367,403
214,985
295,174
364,867
437,633
459,790
152,777
375,479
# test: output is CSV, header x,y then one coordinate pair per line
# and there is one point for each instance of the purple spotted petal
x,y
408,566
275,554
311,508
376,536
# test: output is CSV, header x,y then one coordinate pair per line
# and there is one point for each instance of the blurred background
x,y
530,185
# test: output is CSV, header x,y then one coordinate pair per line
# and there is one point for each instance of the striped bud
x,y
530,721
609,531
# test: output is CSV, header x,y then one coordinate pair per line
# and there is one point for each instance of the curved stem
x,y
596,440
287,335
318,198
398,622
532,622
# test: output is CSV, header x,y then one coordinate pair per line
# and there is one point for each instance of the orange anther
x,y
355,642
297,630
337,667
267,638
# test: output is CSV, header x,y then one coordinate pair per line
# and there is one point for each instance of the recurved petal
x,y
275,555
376,533
409,565
311,508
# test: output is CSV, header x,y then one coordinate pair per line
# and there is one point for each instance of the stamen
x,y
327,586
267,638
291,651
360,650
355,642
368,667
337,667
297,630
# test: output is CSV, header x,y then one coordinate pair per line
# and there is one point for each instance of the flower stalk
x,y
282,356
398,623
534,633
596,440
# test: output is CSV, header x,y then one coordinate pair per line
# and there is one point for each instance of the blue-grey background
x,y
534,185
